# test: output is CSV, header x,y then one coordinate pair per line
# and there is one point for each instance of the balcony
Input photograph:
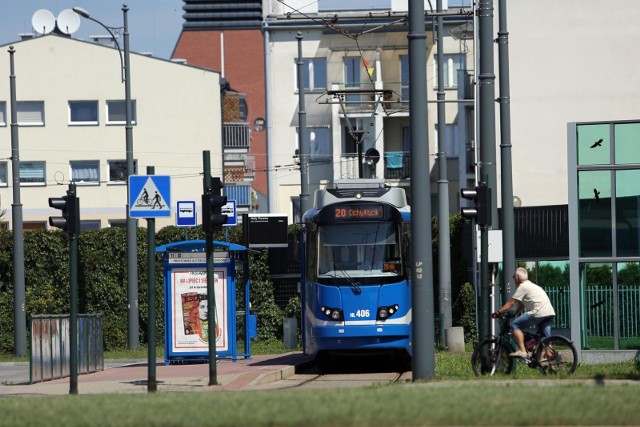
x,y
396,165
236,136
240,193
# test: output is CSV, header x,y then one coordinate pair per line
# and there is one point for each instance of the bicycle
x,y
551,355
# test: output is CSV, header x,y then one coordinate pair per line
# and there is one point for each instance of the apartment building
x,y
71,127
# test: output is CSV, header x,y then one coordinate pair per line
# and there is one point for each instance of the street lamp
x,y
132,262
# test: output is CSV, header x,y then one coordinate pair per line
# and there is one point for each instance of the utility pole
x,y
508,237
444,245
19,293
303,150
487,138
422,268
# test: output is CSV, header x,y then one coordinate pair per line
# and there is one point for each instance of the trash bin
x,y
290,332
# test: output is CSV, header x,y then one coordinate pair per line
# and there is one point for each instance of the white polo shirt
x,y
535,299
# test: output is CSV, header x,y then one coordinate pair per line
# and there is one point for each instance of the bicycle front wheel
x,y
556,355
491,357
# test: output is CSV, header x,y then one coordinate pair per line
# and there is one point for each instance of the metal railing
x,y
598,306
240,193
50,340
236,135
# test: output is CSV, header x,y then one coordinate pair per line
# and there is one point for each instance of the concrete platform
x,y
132,376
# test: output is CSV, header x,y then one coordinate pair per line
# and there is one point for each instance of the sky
x,y
154,25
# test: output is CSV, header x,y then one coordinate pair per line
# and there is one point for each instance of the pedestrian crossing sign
x,y
149,196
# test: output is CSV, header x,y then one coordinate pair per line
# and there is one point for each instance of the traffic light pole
x,y
73,287
211,301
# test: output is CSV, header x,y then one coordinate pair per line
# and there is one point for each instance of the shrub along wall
x,y
102,281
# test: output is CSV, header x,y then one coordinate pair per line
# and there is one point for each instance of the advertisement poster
x,y
191,332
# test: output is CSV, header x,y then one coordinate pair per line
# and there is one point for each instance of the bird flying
x,y
598,143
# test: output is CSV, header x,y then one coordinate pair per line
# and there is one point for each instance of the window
x,y
3,113
30,113
451,65
319,144
315,73
4,174
116,113
404,77
32,173
452,149
118,223
85,172
83,112
89,224
352,77
34,226
118,170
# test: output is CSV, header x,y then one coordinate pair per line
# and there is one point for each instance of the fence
x,y
50,340
598,306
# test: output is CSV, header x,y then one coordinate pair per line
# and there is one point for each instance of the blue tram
x,y
357,283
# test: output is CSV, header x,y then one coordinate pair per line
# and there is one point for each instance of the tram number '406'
x,y
360,313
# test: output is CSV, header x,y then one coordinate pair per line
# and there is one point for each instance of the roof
x,y
197,246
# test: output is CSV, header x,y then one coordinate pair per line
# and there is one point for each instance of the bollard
x,y
455,339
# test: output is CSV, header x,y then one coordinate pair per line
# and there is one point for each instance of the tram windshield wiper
x,y
355,285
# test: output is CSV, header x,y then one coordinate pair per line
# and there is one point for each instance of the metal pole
x,y
132,244
444,246
211,301
73,288
19,294
486,83
508,233
152,383
421,271
302,135
486,80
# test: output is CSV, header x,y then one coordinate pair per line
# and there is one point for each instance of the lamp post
x,y
132,262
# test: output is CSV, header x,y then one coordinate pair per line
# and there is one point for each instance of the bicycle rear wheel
x,y
491,357
556,355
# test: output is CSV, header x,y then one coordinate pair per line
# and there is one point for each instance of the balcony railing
x,y
236,135
396,165
240,193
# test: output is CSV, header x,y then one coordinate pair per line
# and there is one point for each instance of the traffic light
x,y
70,219
481,212
212,203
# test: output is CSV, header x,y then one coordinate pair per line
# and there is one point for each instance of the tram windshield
x,y
358,250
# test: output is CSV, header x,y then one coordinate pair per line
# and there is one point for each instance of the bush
x,y
102,281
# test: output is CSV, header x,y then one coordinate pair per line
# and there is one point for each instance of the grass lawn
x,y
451,399
412,404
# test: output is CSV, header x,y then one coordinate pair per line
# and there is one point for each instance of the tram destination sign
x,y
375,211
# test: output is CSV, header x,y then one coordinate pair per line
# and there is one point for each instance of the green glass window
x,y
553,277
597,296
594,215
594,144
628,213
629,305
627,147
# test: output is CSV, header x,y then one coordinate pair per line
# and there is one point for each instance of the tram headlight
x,y
334,314
385,312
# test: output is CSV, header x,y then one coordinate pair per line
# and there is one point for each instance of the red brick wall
x,y
243,69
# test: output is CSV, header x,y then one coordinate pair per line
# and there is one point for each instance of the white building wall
x,y
178,116
571,61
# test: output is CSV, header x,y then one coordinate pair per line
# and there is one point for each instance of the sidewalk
x,y
132,377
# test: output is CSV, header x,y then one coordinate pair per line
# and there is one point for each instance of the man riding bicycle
x,y
539,312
